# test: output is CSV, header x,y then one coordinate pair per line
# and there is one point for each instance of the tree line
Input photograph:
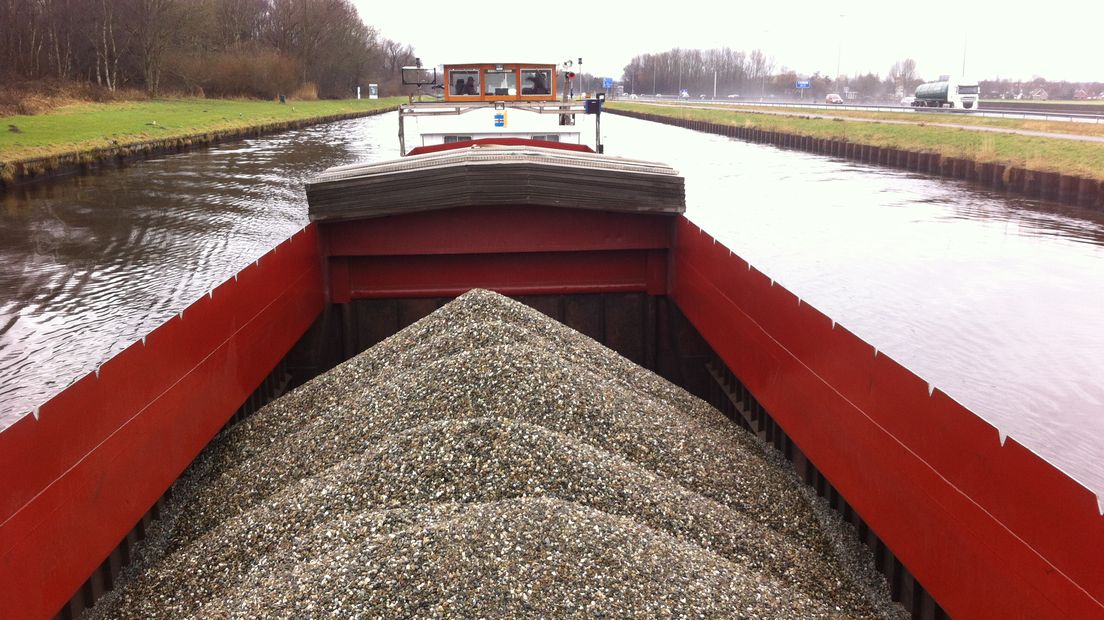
x,y
750,75
254,48
694,70
1019,89
753,75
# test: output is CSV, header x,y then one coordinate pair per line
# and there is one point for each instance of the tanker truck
x,y
958,93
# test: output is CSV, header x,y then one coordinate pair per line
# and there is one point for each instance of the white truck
x,y
948,92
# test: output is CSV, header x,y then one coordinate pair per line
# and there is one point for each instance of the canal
x,y
994,299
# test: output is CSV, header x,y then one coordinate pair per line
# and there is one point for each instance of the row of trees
x,y
753,75
694,70
219,47
1012,89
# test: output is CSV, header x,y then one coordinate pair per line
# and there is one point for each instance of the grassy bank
x,y
965,120
1074,106
1084,159
91,127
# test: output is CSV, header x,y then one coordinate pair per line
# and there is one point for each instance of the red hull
x,y
930,478
960,510
79,477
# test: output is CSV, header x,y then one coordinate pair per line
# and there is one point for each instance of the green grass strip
x,y
91,126
952,118
1085,106
1085,159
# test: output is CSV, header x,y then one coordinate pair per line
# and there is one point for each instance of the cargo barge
x,y
950,506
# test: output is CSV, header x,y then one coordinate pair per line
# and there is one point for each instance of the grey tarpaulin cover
x,y
495,175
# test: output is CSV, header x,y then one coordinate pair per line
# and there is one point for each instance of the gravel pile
x,y
488,461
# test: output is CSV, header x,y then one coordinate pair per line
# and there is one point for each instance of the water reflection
x,y
996,300
93,263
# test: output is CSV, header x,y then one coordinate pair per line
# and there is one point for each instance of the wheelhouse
x,y
500,82
481,103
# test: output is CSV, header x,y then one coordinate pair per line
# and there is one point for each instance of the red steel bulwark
x,y
512,250
79,477
991,530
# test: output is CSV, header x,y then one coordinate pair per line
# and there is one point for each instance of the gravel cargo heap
x,y
488,461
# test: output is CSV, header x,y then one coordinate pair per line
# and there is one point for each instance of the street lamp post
x,y
964,34
839,53
766,32
839,47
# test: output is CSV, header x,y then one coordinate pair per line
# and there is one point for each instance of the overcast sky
x,y
1058,39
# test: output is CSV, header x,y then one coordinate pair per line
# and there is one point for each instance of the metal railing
x,y
566,109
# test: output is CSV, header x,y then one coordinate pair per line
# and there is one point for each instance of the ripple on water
x,y
93,263
993,299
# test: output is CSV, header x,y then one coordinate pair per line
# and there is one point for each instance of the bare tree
x,y
172,43
151,27
23,34
903,75
395,55
239,21
61,29
693,70
102,35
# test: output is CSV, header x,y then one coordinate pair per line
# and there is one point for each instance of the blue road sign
x,y
803,84
607,82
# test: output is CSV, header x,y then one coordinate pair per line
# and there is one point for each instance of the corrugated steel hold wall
x,y
989,528
82,471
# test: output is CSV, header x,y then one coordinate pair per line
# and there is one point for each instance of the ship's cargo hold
x,y
488,459
366,483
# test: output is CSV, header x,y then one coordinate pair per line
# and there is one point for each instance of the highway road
x,y
1041,110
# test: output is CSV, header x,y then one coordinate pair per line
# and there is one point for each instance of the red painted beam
x,y
512,250
510,274
99,455
497,230
990,530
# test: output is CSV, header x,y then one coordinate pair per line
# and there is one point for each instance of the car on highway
x,y
908,101
833,98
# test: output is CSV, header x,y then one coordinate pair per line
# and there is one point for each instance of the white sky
x,y
1058,40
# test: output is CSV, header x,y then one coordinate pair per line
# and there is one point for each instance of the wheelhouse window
x,y
454,139
500,82
536,82
968,90
464,82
